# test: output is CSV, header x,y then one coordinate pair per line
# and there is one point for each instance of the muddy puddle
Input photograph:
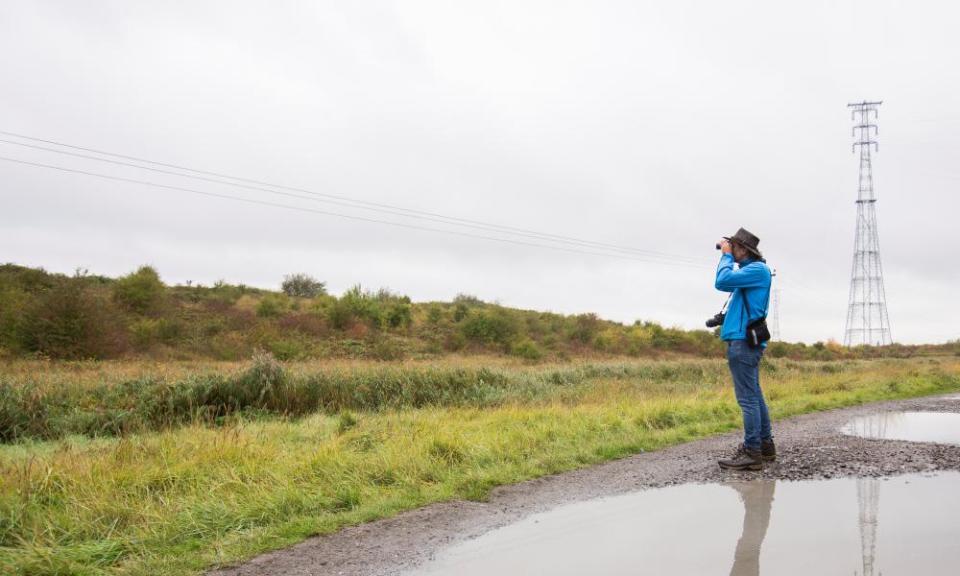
x,y
938,427
901,525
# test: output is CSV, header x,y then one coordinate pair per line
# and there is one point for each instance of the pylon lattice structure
x,y
867,320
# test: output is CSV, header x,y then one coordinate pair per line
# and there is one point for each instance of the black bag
x,y
757,331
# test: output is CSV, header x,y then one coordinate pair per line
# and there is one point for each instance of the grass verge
x,y
184,499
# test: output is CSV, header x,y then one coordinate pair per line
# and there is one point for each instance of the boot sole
x,y
757,466
769,458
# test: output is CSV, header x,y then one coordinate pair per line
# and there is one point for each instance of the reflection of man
x,y
749,285
757,498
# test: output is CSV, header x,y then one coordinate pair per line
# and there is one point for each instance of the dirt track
x,y
810,447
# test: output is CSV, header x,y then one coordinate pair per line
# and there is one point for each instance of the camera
x,y
718,245
716,320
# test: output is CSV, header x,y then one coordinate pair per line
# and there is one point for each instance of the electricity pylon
x,y
867,320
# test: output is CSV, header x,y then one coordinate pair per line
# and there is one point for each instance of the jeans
x,y
744,364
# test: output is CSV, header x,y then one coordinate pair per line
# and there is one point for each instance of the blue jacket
x,y
751,280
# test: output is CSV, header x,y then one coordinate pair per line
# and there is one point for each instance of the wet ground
x,y
939,427
907,524
833,503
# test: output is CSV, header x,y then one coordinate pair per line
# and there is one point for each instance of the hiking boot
x,y
768,450
743,459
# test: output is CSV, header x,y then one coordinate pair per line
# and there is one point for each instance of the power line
x,y
339,215
257,185
492,228
651,256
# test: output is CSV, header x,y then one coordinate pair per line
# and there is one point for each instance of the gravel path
x,y
809,446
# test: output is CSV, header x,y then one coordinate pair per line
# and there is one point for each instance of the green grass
x,y
94,401
187,497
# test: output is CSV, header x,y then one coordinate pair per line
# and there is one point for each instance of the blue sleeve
x,y
729,279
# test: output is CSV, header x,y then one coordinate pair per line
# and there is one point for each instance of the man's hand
x,y
725,247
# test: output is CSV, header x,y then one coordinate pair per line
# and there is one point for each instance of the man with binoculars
x,y
744,274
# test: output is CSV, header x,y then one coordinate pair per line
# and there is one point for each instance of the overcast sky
x,y
659,126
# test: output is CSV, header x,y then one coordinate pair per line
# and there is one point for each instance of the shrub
x,y
382,309
288,349
777,349
489,327
362,305
585,328
609,340
140,292
462,305
527,349
74,321
340,314
467,300
259,384
639,340
435,315
13,302
148,331
399,314
271,306
302,286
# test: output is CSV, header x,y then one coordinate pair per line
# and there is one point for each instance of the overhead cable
x,y
340,215
258,185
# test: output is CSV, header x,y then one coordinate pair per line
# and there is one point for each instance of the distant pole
x,y
775,310
867,320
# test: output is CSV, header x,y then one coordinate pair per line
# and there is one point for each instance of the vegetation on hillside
x,y
85,316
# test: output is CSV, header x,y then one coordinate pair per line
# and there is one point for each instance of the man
x,y
749,285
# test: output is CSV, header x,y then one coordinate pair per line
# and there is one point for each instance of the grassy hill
x,y
86,316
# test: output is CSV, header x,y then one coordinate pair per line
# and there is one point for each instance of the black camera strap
x,y
746,304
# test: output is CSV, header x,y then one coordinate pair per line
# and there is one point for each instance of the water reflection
x,y
740,528
868,498
757,499
938,427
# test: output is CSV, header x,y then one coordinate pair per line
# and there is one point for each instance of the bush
x,y
380,310
462,305
639,340
340,314
258,386
13,302
489,327
271,306
435,316
148,331
74,321
288,349
302,286
585,328
527,349
140,292
399,314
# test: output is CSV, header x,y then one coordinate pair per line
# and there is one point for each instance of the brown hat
x,y
747,240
